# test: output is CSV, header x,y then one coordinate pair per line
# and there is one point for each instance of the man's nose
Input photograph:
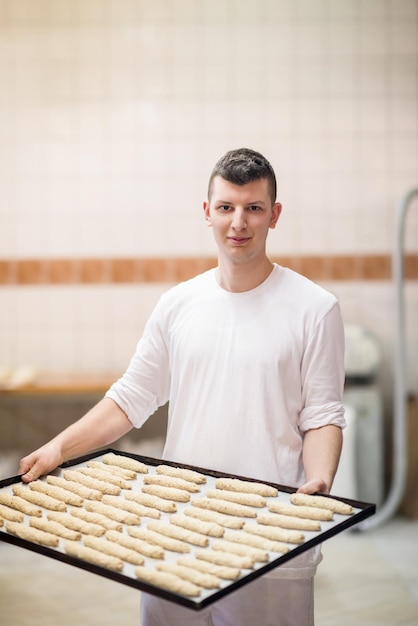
x,y
239,219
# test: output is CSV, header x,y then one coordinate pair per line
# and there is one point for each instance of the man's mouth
x,y
239,240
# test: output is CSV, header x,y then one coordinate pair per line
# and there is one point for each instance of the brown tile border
x,y
175,269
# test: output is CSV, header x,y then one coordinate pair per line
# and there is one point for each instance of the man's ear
x,y
206,210
275,214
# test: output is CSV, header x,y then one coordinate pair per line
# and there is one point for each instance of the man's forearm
x,y
321,454
102,425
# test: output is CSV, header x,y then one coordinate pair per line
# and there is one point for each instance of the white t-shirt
x,y
246,374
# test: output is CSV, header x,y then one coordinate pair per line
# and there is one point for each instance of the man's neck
x,y
239,278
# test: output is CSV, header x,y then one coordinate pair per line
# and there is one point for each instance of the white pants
x,y
264,602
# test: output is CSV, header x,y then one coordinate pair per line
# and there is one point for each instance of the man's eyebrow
x,y
229,202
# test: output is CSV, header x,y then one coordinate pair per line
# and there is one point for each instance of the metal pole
x,y
400,453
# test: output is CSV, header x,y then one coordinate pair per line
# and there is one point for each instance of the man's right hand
x,y
41,461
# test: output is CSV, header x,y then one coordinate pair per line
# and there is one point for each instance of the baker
x,y
250,356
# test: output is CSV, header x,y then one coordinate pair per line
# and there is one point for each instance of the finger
x,y
24,466
32,473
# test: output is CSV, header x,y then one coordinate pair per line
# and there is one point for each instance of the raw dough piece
x,y
226,573
12,515
105,477
248,499
171,481
132,543
275,534
322,502
288,521
150,536
175,532
246,486
118,515
240,549
198,526
207,581
256,541
125,462
74,523
55,528
113,469
153,502
74,487
57,492
73,548
228,521
167,493
20,504
182,472
92,483
307,512
227,508
114,549
39,499
167,581
97,518
225,558
32,534
131,506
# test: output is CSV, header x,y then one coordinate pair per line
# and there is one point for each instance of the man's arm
x,y
321,453
102,425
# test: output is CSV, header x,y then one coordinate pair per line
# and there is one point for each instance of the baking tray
x,y
329,529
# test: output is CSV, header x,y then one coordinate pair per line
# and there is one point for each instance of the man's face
x,y
241,216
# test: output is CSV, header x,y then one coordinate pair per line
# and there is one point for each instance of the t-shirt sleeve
x,y
145,384
322,372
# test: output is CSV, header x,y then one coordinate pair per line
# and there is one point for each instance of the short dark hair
x,y
242,166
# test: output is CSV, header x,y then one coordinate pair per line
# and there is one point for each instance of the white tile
x,y
307,10
403,38
340,78
280,39
373,9
372,114
310,36
310,79
340,154
373,79
342,40
283,11
373,38
402,74
404,152
403,9
341,10
8,235
373,152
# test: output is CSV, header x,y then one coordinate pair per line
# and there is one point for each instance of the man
x,y
250,357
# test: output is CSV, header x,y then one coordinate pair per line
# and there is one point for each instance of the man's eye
x,y
254,208
225,207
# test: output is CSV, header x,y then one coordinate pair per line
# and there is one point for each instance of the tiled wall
x,y
112,114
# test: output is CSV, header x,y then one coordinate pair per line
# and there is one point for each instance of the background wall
x,y
112,114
